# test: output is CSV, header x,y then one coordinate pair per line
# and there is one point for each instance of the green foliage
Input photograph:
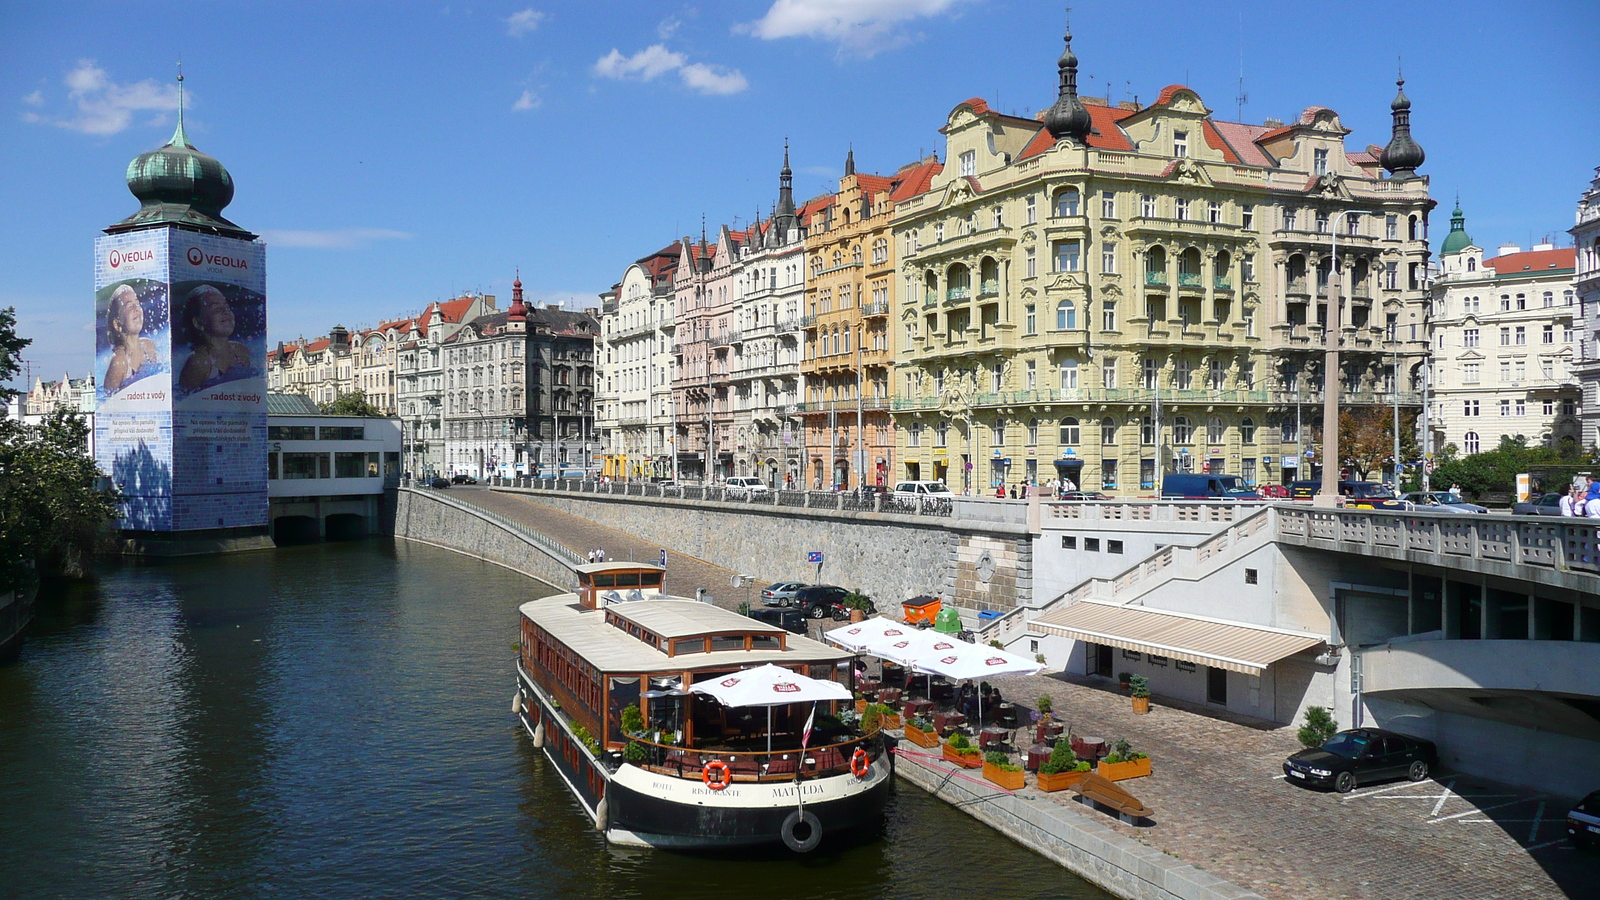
x,y
52,514
744,608
1122,751
997,645
1124,676
1038,658
1044,704
586,739
958,741
11,347
1319,727
632,720
922,724
1001,761
872,719
1140,686
634,752
857,600
1062,759
1495,471
354,403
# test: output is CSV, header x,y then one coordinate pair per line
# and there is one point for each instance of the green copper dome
x,y
1458,239
178,185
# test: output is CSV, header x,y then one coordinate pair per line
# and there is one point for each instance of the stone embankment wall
x,y
979,565
429,519
1113,861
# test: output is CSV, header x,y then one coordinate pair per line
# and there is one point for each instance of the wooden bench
x,y
1094,789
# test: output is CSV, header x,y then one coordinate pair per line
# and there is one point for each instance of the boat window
x,y
583,578
764,642
821,672
727,642
627,579
605,579
652,579
688,645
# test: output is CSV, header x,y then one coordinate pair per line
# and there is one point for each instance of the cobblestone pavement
x,y
1217,785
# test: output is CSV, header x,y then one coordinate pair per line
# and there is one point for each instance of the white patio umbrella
x,y
866,636
769,686
962,661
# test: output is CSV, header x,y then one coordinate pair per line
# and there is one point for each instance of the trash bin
x,y
921,609
985,616
948,621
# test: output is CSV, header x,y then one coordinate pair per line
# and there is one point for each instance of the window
x,y
1247,216
1068,255
1247,269
1150,368
1469,441
995,377
1251,576
1391,276
1113,546
1147,431
1247,376
1505,302
1471,373
1147,206
1067,202
1505,407
1108,204
1108,432
1505,370
1032,320
1319,162
1520,369
1108,258
999,217
1180,144
1108,373
1033,432
1290,220
1391,228
969,163
1070,432
1181,374
1549,407
1216,375
941,435
1549,334
1033,372
1214,213
1505,337
1469,407
1522,301
914,434
1066,316
1091,545
1069,542
1469,337
1521,335
1247,431
1069,375
1182,431
1182,210
1322,222
997,433
1352,224
1108,316
1032,207
1031,266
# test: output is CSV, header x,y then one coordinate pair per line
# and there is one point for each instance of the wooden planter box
x,y
861,707
1123,770
1011,781
967,759
893,722
915,735
1141,705
1060,781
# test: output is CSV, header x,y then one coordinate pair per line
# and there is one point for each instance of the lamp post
x,y
1329,495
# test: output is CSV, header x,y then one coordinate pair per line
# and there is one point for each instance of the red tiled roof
x,y
1214,141
1169,90
1274,134
913,181
453,310
1242,139
872,184
1534,261
1104,133
977,104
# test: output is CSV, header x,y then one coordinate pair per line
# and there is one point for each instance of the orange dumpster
x,y
921,609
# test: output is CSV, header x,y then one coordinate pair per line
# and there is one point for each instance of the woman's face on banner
x,y
130,316
214,318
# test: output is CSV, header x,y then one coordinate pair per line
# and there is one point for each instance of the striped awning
x,y
1224,645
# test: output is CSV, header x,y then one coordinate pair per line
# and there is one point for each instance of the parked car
x,y
1548,505
819,601
744,486
788,619
1583,822
1446,502
1273,491
439,483
1361,755
782,593
463,479
911,490
1085,495
1206,487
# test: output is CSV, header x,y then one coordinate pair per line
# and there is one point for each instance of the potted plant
x,y
634,753
859,605
1123,762
632,720
1045,705
890,719
1123,677
1140,688
1062,770
960,751
861,704
1319,727
872,719
920,731
998,768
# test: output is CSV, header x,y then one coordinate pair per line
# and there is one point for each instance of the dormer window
x,y
969,162
1319,162
1180,143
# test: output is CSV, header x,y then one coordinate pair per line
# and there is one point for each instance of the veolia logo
x,y
198,257
118,257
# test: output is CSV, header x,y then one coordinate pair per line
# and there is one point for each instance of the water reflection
x,y
333,720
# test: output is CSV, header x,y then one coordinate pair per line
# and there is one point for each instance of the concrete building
x,y
637,354
1123,291
1586,282
1504,332
328,476
419,377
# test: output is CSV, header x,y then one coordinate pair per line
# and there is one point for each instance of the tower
x,y
1068,118
1402,155
180,345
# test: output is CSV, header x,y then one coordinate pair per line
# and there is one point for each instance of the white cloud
x,y
103,106
667,28
333,239
527,101
645,65
713,79
859,27
519,24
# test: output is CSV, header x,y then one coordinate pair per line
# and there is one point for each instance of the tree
x,y
10,347
1495,471
1366,437
351,404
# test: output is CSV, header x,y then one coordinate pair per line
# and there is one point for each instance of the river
x,y
334,720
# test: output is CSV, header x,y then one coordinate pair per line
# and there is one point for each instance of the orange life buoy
x,y
716,775
859,763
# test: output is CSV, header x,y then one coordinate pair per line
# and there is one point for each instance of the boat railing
x,y
781,764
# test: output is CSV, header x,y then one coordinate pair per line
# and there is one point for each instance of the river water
x,y
334,720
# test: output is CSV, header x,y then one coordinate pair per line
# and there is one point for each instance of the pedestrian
x,y
591,557
1567,501
1000,492
600,555
1456,488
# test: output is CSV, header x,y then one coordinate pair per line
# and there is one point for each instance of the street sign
x,y
814,556
663,559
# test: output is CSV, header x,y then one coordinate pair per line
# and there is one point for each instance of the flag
x,y
805,736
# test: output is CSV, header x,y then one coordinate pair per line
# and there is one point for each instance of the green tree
x,y
10,349
1495,471
351,404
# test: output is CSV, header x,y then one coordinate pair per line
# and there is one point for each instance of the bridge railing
x,y
835,500
539,539
1558,544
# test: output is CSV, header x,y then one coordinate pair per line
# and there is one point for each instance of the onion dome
x,y
1068,118
1402,156
1458,239
518,310
178,185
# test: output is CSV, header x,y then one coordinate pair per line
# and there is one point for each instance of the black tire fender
x,y
793,824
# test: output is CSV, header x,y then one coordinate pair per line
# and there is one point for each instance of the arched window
x,y
1411,229
1549,299
855,254
1066,316
1214,431
1108,431
1070,432
1067,202
958,282
1472,264
1182,431
1033,432
1155,265
838,259
1470,441
1247,431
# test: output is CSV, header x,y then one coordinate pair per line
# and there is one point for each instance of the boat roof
x,y
624,566
611,649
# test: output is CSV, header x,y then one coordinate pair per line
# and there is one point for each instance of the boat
x,y
612,685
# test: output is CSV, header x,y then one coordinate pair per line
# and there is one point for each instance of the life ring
x,y
716,775
798,822
859,763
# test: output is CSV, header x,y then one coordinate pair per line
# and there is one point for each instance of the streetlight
x,y
1329,495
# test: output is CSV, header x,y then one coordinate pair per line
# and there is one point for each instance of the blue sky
x,y
398,153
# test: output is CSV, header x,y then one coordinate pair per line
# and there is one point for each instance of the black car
x,y
439,483
820,601
788,619
463,479
1360,755
1583,822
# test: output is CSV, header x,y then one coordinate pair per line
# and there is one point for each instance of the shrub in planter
x,y
634,752
1319,727
1123,762
921,732
1062,770
960,751
1139,687
1044,704
872,718
1123,677
632,720
998,768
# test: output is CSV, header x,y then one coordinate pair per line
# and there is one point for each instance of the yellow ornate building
x,y
1114,292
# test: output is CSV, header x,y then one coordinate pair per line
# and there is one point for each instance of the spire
x,y
850,161
179,139
1458,239
518,309
1068,118
1402,156
785,189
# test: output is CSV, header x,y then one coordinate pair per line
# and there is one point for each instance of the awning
x,y
1224,645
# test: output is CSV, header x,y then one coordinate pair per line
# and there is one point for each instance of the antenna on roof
x,y
1243,98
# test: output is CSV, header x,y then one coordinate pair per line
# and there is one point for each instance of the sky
x,y
394,153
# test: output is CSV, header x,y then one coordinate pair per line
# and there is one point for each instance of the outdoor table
x,y
991,737
944,721
1048,730
1038,755
942,691
1090,748
1006,714
889,695
918,707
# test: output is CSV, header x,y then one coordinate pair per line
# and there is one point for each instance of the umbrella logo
x,y
892,632
853,631
729,682
902,645
994,661
785,687
948,660
944,646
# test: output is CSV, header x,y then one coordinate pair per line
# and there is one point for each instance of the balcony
x,y
957,294
875,308
808,321
989,289
1155,279
1188,280
1223,284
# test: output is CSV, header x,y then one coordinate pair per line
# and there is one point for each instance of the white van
x,y
911,490
740,486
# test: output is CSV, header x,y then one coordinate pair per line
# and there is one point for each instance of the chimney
x,y
1543,245
1507,249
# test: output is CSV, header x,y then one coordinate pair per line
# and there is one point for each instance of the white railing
x,y
1557,544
